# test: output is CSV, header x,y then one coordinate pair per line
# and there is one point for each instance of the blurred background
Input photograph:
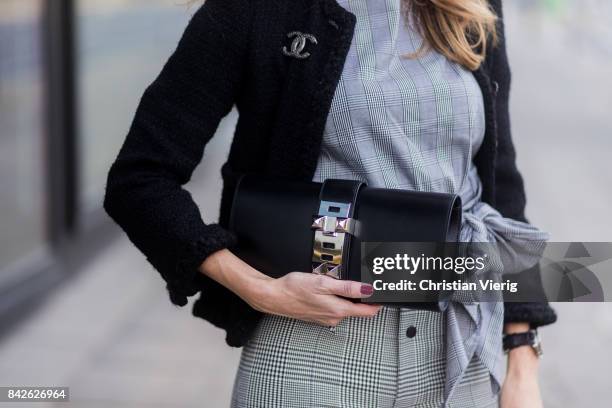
x,y
71,75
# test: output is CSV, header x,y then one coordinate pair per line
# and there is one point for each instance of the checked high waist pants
x,y
396,359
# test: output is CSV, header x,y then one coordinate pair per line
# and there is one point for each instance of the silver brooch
x,y
298,44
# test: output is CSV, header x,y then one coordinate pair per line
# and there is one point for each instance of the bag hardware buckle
x,y
331,227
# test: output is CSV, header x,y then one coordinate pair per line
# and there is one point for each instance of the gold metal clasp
x,y
334,225
329,238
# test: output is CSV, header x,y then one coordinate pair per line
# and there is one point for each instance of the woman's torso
x,y
400,122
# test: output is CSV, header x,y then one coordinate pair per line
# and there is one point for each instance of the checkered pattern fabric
x,y
407,123
399,122
361,363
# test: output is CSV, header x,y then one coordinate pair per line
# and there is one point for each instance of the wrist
x,y
248,283
257,291
523,361
236,275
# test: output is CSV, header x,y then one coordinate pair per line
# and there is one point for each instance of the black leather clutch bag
x,y
285,226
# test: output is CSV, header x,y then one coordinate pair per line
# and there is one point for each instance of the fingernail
x,y
367,289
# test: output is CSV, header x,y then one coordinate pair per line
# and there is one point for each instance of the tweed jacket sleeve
x,y
177,115
509,187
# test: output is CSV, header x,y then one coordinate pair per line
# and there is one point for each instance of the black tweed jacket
x,y
230,54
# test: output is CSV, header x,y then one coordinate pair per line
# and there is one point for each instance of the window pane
x,y
122,46
22,216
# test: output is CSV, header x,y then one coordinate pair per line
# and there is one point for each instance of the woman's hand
x,y
313,298
521,387
299,295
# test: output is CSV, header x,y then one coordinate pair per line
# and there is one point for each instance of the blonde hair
x,y
458,29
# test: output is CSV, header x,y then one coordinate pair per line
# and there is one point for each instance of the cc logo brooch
x,y
298,44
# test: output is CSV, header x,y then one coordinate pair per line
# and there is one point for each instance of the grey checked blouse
x,y
406,123
417,123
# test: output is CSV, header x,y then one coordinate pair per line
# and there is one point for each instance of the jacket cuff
x,y
185,281
535,313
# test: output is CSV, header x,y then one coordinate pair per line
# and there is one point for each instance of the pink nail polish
x,y
367,289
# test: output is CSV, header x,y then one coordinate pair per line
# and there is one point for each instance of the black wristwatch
x,y
529,338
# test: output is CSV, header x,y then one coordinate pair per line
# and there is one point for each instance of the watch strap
x,y
528,338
